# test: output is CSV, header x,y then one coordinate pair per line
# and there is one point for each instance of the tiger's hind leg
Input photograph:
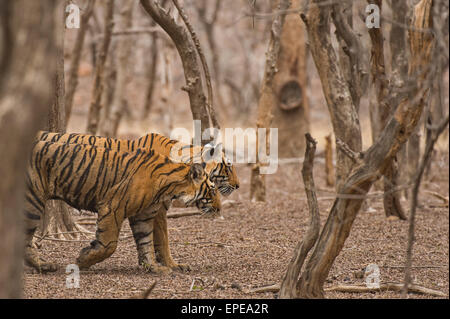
x,y
142,228
109,223
34,210
161,240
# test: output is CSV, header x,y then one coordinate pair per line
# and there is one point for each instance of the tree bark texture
x,y
380,110
343,113
28,90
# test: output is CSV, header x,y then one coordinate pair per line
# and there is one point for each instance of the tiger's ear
x,y
196,172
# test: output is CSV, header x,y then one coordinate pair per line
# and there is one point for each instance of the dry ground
x,y
254,242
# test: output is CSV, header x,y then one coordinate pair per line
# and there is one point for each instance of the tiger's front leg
x,y
142,228
109,222
161,240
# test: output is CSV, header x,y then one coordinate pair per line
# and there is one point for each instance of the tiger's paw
x,y
33,259
180,267
155,268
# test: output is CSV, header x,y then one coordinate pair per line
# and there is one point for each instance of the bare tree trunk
x,y
391,200
399,71
72,82
186,50
58,218
27,91
291,114
267,99
366,167
120,100
56,113
95,106
151,75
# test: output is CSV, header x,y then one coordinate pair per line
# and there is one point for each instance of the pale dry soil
x,y
253,243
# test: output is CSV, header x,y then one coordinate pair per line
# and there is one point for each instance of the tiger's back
x,y
222,172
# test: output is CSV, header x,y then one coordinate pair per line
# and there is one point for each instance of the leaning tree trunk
x,y
267,99
291,111
120,100
366,167
25,93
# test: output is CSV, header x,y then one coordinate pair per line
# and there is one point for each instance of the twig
x,y
388,286
356,157
146,293
270,288
439,196
184,214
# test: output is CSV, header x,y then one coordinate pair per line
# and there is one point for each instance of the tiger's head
x,y
201,191
220,169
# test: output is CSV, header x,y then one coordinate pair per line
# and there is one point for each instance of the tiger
x,y
116,185
222,174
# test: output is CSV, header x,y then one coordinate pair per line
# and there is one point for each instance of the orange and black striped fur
x,y
116,185
222,173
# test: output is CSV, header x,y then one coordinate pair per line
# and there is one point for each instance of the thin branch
x,y
388,286
356,157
